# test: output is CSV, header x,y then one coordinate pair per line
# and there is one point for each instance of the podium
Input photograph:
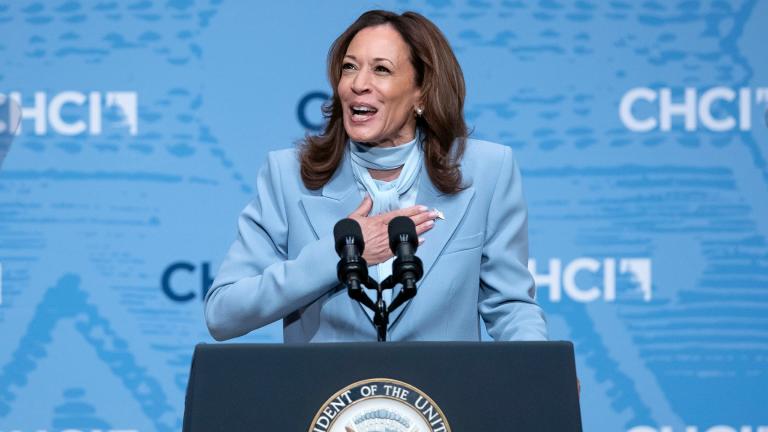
x,y
366,387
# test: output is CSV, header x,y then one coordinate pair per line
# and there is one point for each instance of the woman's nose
x,y
361,83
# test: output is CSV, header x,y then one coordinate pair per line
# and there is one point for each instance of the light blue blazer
x,y
283,263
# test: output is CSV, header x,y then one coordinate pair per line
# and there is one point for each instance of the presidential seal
x,y
379,405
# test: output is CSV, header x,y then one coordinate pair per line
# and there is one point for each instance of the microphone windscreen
x,y
402,229
348,231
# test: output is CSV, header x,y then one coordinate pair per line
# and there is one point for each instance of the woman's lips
x,y
361,118
362,113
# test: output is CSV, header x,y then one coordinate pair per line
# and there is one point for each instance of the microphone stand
x,y
380,310
379,307
408,292
354,274
406,273
352,270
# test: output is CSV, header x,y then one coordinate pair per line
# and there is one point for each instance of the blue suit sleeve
x,y
507,300
257,284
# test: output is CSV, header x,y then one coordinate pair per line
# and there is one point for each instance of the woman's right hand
x,y
375,232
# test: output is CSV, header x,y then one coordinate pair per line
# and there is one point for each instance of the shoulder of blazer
x,y
285,159
482,161
479,151
284,167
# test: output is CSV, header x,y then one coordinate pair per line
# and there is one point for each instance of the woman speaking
x,y
395,144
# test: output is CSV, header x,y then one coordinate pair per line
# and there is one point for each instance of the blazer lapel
x,y
338,199
453,208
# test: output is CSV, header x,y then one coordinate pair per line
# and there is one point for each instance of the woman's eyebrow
x,y
384,59
375,59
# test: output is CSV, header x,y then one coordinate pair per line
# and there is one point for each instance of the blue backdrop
x,y
639,127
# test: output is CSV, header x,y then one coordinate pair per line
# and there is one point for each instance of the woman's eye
x,y
347,66
382,69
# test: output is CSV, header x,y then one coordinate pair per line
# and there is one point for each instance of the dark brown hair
x,y
441,81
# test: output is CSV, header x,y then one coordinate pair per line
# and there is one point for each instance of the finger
x,y
408,211
423,217
364,208
424,227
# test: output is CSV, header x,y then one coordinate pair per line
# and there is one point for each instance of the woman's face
x,y
378,88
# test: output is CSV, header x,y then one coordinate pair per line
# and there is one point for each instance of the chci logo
x,y
379,405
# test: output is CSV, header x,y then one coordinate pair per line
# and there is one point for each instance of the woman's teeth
x,y
362,111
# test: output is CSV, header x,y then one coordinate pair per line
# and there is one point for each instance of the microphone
x,y
352,269
349,237
407,268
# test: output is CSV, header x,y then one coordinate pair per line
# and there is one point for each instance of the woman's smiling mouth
x,y
362,112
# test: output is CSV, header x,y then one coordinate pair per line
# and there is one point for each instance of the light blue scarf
x,y
386,195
